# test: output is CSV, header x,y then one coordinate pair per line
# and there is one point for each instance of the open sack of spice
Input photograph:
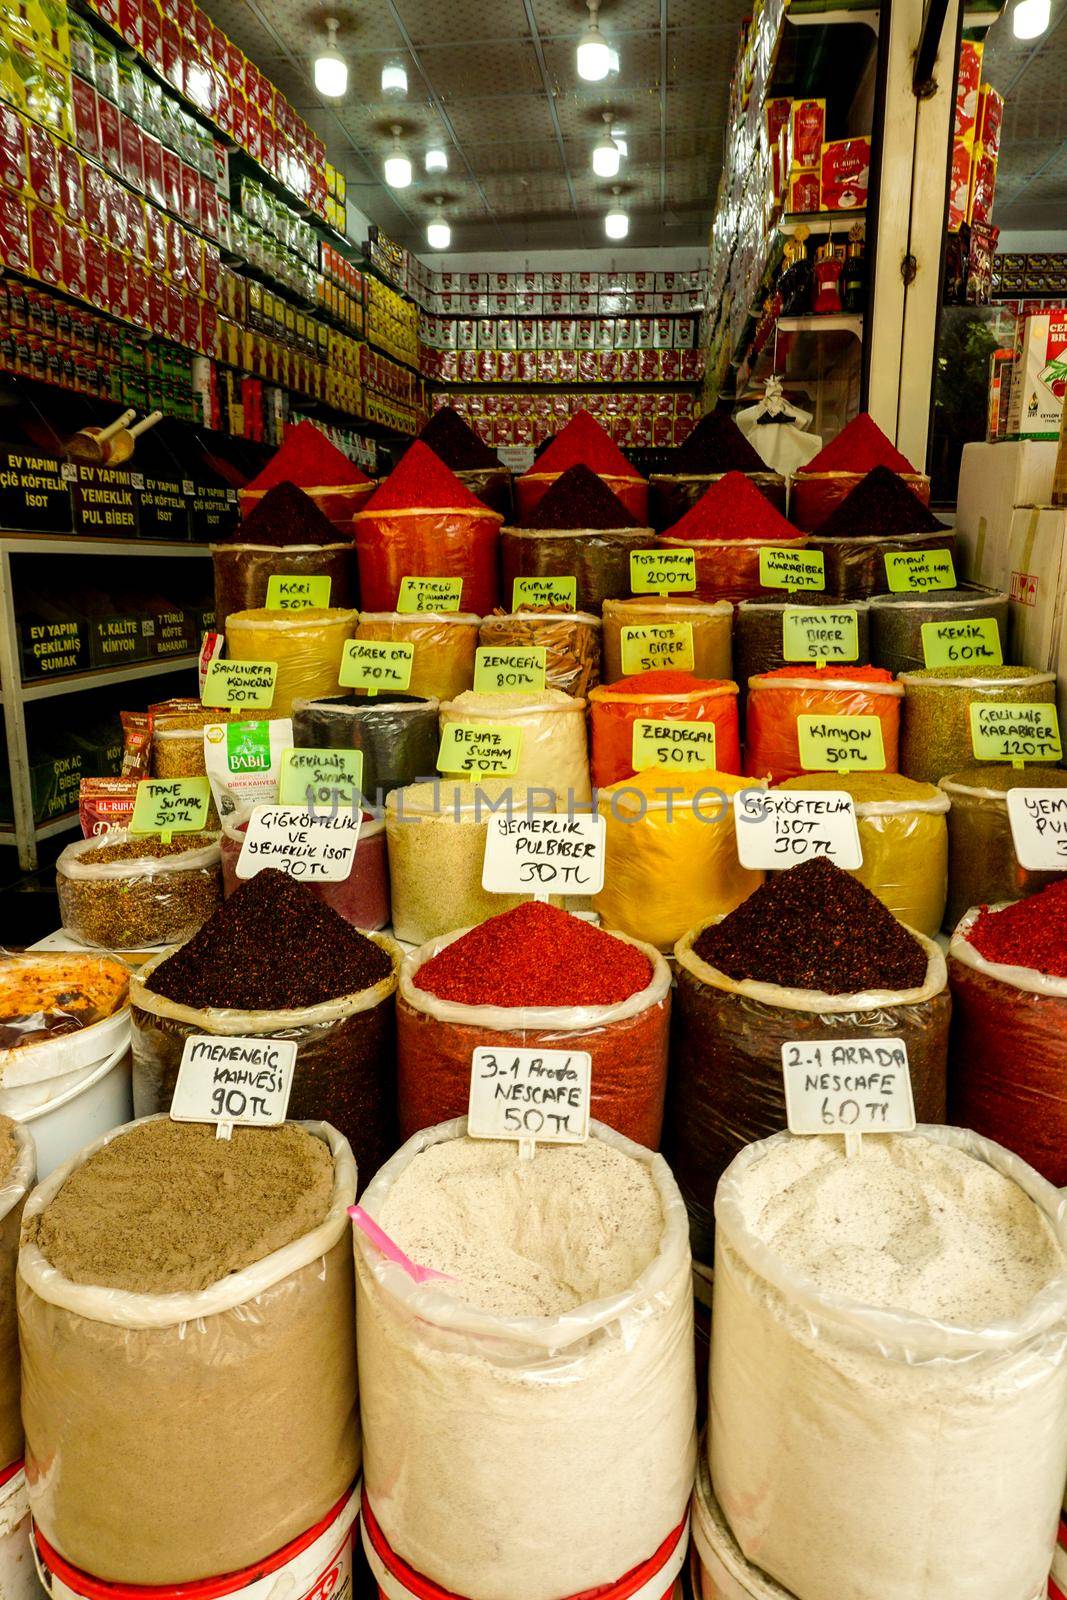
x,y
535,975
308,461
570,640
579,529
323,984
286,536
984,869
133,892
186,1308
715,446
823,482
812,954
582,442
726,529
17,1164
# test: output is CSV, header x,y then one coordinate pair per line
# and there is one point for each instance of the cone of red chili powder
x,y
421,522
308,459
726,528
838,468
714,447
583,442
479,468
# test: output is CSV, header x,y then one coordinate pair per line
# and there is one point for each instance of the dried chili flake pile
x,y
272,946
1031,933
421,482
536,955
579,499
859,447
583,441
815,927
734,508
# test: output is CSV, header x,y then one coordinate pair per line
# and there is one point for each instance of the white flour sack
x,y
889,1366
528,1426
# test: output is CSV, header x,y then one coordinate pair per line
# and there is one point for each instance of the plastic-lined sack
x,y
14,1188
397,733
445,642
599,558
728,569
571,641
711,622
983,867
813,495
672,494
658,697
776,699
141,901
897,621
491,485
344,1060
759,643
424,543
141,1465
532,486
553,754
362,898
855,564
824,1408
671,854
1008,1061
904,840
935,737
627,1041
308,646
726,1060
243,573
609,1383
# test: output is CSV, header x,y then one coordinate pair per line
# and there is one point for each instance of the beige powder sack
x,y
221,1419
16,1176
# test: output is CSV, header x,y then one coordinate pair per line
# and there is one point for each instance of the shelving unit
x,y
15,695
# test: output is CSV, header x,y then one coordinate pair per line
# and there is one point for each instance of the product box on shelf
x,y
1040,378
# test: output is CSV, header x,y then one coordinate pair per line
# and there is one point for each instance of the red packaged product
x,y
253,131
117,232
804,191
190,206
105,804
71,184
118,284
172,181
194,261
153,169
42,165
191,321
13,162
846,171
110,134
14,231
173,55
175,250
96,271
209,206
131,23
990,120
968,83
45,250
136,228
155,251
212,273
208,324
132,152
808,122
138,293
235,64
983,187
152,33
669,366
175,313
72,258
201,28
959,188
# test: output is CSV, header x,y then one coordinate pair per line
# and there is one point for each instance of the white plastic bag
x,y
785,443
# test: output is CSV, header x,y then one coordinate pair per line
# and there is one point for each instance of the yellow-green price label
x,y
782,567
678,746
172,805
1016,733
286,593
509,671
954,644
841,744
544,592
663,571
820,635
480,749
376,665
240,683
327,773
429,594
916,571
651,645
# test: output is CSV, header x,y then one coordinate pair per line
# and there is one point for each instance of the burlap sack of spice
x,y
17,1163
175,1437
726,1060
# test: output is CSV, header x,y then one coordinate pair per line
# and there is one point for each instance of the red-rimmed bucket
x,y
654,1579
18,1576
314,1566
1057,1583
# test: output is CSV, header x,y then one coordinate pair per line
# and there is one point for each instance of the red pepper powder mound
x,y
579,499
716,444
1030,933
859,447
308,459
853,674
285,515
421,482
815,927
583,442
454,441
734,508
662,680
536,955
881,504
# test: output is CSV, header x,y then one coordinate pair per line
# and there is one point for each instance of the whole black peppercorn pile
x,y
815,927
272,946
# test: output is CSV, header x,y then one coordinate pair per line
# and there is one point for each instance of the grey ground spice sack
x,y
222,1420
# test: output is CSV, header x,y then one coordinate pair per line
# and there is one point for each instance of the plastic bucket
x,y
18,1576
100,1098
654,1579
314,1566
717,1569
1057,1583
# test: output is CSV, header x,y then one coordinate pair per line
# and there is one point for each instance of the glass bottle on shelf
x,y
795,282
853,284
827,273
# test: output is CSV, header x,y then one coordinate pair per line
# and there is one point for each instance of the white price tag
x,y
543,855
315,847
783,827
1038,819
849,1086
534,1096
233,1082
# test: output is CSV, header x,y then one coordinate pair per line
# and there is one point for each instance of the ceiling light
x,y
437,159
438,232
594,53
1030,18
331,69
614,64
616,223
394,80
397,165
606,154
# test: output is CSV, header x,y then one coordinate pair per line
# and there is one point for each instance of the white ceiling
x,y
1032,76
